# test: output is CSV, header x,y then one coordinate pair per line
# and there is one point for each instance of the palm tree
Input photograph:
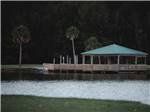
x,y
72,33
91,43
21,35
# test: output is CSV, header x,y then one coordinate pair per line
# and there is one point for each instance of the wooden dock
x,y
95,67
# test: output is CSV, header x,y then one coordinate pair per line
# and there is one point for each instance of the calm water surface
x,y
117,90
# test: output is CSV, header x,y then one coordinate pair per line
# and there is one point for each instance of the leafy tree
x,y
72,33
91,43
20,36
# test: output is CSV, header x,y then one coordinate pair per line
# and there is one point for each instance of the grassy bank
x,y
12,103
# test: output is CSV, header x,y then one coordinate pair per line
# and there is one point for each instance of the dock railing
x,y
95,67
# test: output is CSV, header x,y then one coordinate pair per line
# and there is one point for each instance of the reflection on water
x,y
32,74
117,90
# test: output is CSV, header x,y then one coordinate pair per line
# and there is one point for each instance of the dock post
x,y
92,63
67,59
60,59
83,59
67,64
53,60
60,64
74,61
63,60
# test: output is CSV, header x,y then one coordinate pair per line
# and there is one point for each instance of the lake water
x,y
117,90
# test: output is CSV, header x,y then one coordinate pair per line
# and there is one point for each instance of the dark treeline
x,y
125,23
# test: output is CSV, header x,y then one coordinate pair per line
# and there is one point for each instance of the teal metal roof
x,y
114,49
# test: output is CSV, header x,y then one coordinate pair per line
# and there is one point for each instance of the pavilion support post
x,y
91,59
99,59
83,59
127,60
136,59
118,60
108,60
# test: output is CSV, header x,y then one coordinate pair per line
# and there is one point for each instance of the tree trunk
x,y
73,51
20,55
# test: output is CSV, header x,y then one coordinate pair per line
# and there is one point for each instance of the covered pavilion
x,y
111,58
114,54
